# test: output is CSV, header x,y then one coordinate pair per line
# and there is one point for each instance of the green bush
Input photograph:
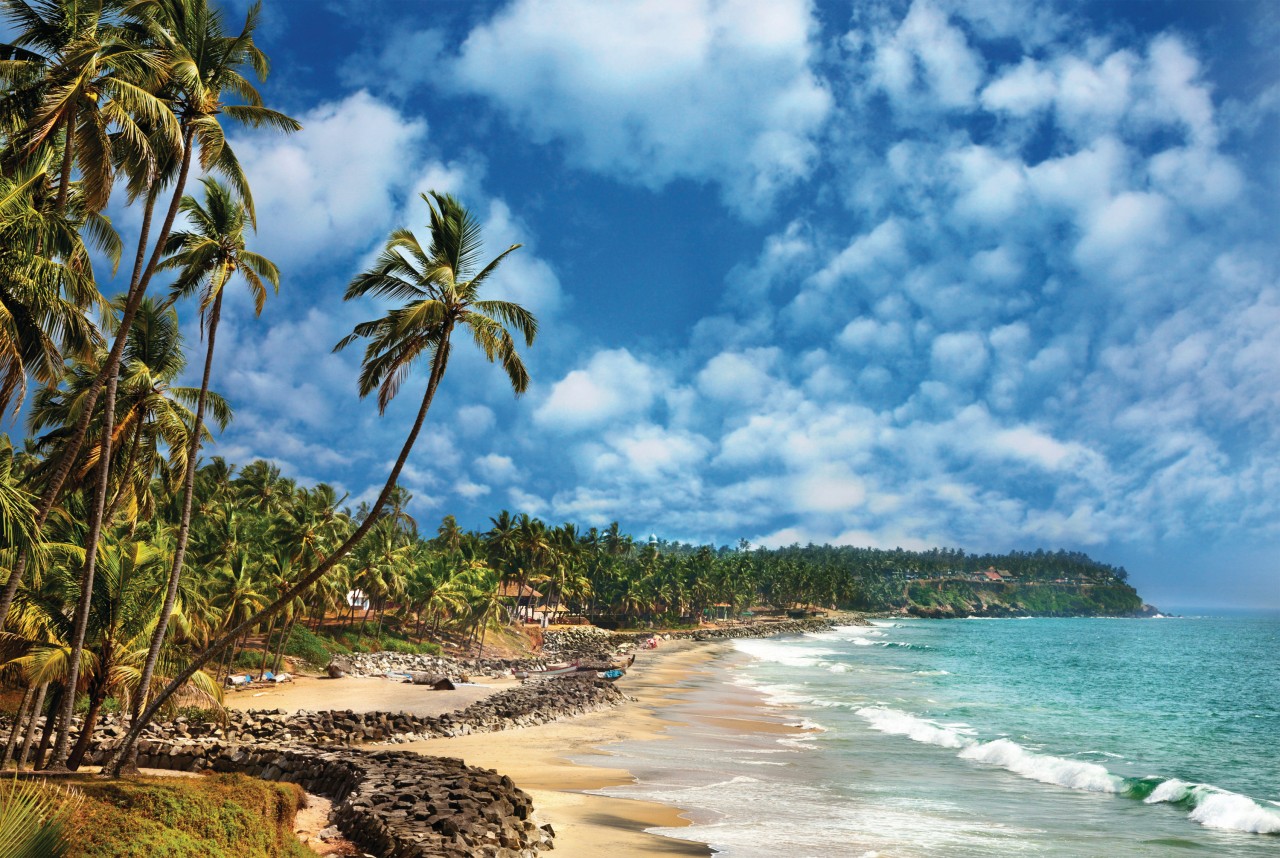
x,y
249,659
199,715
215,816
310,647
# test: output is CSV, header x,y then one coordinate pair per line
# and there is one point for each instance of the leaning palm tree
x,y
205,67
441,287
207,259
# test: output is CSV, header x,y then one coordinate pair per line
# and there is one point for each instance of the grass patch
x,y
212,816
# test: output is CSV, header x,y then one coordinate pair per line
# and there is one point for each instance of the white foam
x,y
1234,812
1218,808
1075,774
1171,790
917,729
786,654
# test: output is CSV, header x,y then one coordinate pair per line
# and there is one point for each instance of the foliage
x,y
34,820
219,816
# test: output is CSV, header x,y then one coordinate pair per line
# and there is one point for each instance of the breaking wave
x,y
1206,804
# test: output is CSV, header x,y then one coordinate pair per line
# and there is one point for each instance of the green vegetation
x,y
213,816
34,820
108,504
133,569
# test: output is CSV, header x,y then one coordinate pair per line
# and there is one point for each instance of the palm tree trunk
x,y
16,728
184,529
61,747
284,640
112,371
138,283
68,156
266,649
52,721
132,459
31,725
86,730
438,365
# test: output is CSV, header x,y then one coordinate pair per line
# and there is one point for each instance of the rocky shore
x,y
407,805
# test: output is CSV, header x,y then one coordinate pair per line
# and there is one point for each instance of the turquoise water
x,y
1073,737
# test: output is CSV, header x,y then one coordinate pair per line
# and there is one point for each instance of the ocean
x,y
1063,737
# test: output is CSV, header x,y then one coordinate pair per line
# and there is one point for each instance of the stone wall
x,y
390,803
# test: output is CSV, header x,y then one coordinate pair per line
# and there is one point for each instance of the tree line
x,y
105,563
133,567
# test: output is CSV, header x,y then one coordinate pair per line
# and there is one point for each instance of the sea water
x,y
1071,737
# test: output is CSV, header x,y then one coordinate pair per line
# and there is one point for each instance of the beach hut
x,y
523,599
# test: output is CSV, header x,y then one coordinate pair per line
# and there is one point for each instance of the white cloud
x,y
654,90
1025,89
927,57
959,358
469,490
496,468
613,384
331,189
738,376
474,419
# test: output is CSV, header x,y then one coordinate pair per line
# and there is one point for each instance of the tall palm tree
x,y
441,287
94,79
205,66
46,280
207,258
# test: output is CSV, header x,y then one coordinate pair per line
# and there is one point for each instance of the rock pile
x,y
521,706
382,663
394,804
582,642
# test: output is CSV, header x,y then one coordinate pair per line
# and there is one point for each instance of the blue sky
x,y
988,274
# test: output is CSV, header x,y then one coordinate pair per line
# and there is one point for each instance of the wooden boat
x,y
551,670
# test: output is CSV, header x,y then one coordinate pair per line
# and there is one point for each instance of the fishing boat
x,y
551,670
611,675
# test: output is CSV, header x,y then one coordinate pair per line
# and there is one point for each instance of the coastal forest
x,y
137,570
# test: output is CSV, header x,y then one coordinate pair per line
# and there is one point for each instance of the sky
x,y
994,275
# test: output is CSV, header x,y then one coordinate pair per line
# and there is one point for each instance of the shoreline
x,y
541,761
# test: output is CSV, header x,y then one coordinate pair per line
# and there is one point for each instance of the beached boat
x,y
547,672
611,675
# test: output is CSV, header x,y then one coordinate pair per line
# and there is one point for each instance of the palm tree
x,y
206,258
441,285
94,80
46,281
204,66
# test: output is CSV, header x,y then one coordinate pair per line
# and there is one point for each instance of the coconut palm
x,y
441,287
90,80
207,258
203,64
46,281
153,414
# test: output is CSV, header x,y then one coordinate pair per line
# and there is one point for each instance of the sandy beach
x,y
541,759
537,759
362,694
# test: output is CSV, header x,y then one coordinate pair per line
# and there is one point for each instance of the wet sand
x,y
537,759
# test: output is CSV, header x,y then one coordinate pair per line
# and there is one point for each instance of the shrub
x,y
310,647
199,714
